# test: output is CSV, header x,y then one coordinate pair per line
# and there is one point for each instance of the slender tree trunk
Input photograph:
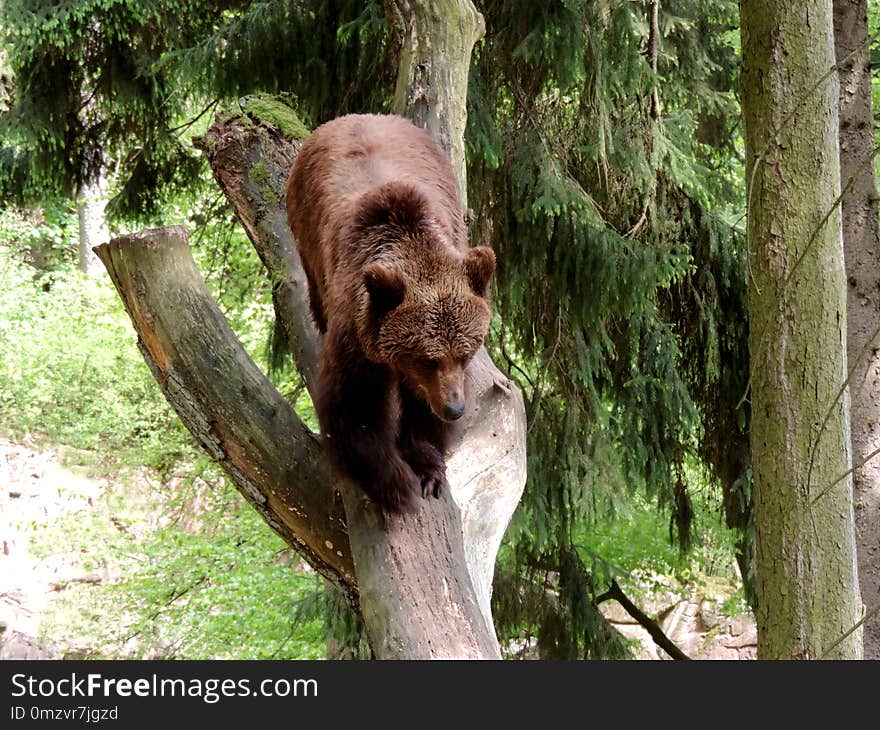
x,y
90,204
654,57
808,595
862,253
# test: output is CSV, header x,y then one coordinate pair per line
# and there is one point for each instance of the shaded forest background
x,y
605,167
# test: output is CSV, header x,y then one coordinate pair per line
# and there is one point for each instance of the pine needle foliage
x,y
115,86
334,55
620,288
87,97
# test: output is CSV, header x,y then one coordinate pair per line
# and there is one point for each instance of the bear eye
x,y
419,362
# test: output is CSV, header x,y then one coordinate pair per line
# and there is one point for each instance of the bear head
x,y
426,308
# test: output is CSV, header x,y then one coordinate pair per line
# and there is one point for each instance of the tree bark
x,y
90,204
808,594
251,159
861,246
654,57
434,41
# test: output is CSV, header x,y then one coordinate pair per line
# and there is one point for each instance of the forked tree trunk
x,y
808,595
422,582
861,246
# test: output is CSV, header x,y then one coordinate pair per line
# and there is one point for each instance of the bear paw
x,y
396,489
427,462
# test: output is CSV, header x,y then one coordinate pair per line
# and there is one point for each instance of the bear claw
x,y
427,462
432,486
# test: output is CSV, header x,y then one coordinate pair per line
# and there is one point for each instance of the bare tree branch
x,y
650,625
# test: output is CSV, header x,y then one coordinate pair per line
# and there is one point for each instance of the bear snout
x,y
454,410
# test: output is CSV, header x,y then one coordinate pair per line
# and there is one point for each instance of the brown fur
x,y
397,293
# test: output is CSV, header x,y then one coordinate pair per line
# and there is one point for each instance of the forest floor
x,y
36,490
40,492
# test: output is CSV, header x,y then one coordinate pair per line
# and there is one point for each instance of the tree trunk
x,y
434,40
90,204
808,596
861,247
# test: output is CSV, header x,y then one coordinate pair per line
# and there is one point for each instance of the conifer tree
x,y
621,282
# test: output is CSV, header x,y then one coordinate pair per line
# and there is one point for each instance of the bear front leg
x,y
422,442
357,408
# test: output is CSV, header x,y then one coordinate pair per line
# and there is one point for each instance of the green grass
x,y
194,575
72,374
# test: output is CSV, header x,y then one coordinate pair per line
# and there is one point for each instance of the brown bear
x,y
398,295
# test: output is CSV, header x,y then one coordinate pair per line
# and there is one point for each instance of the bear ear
x,y
385,286
479,265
